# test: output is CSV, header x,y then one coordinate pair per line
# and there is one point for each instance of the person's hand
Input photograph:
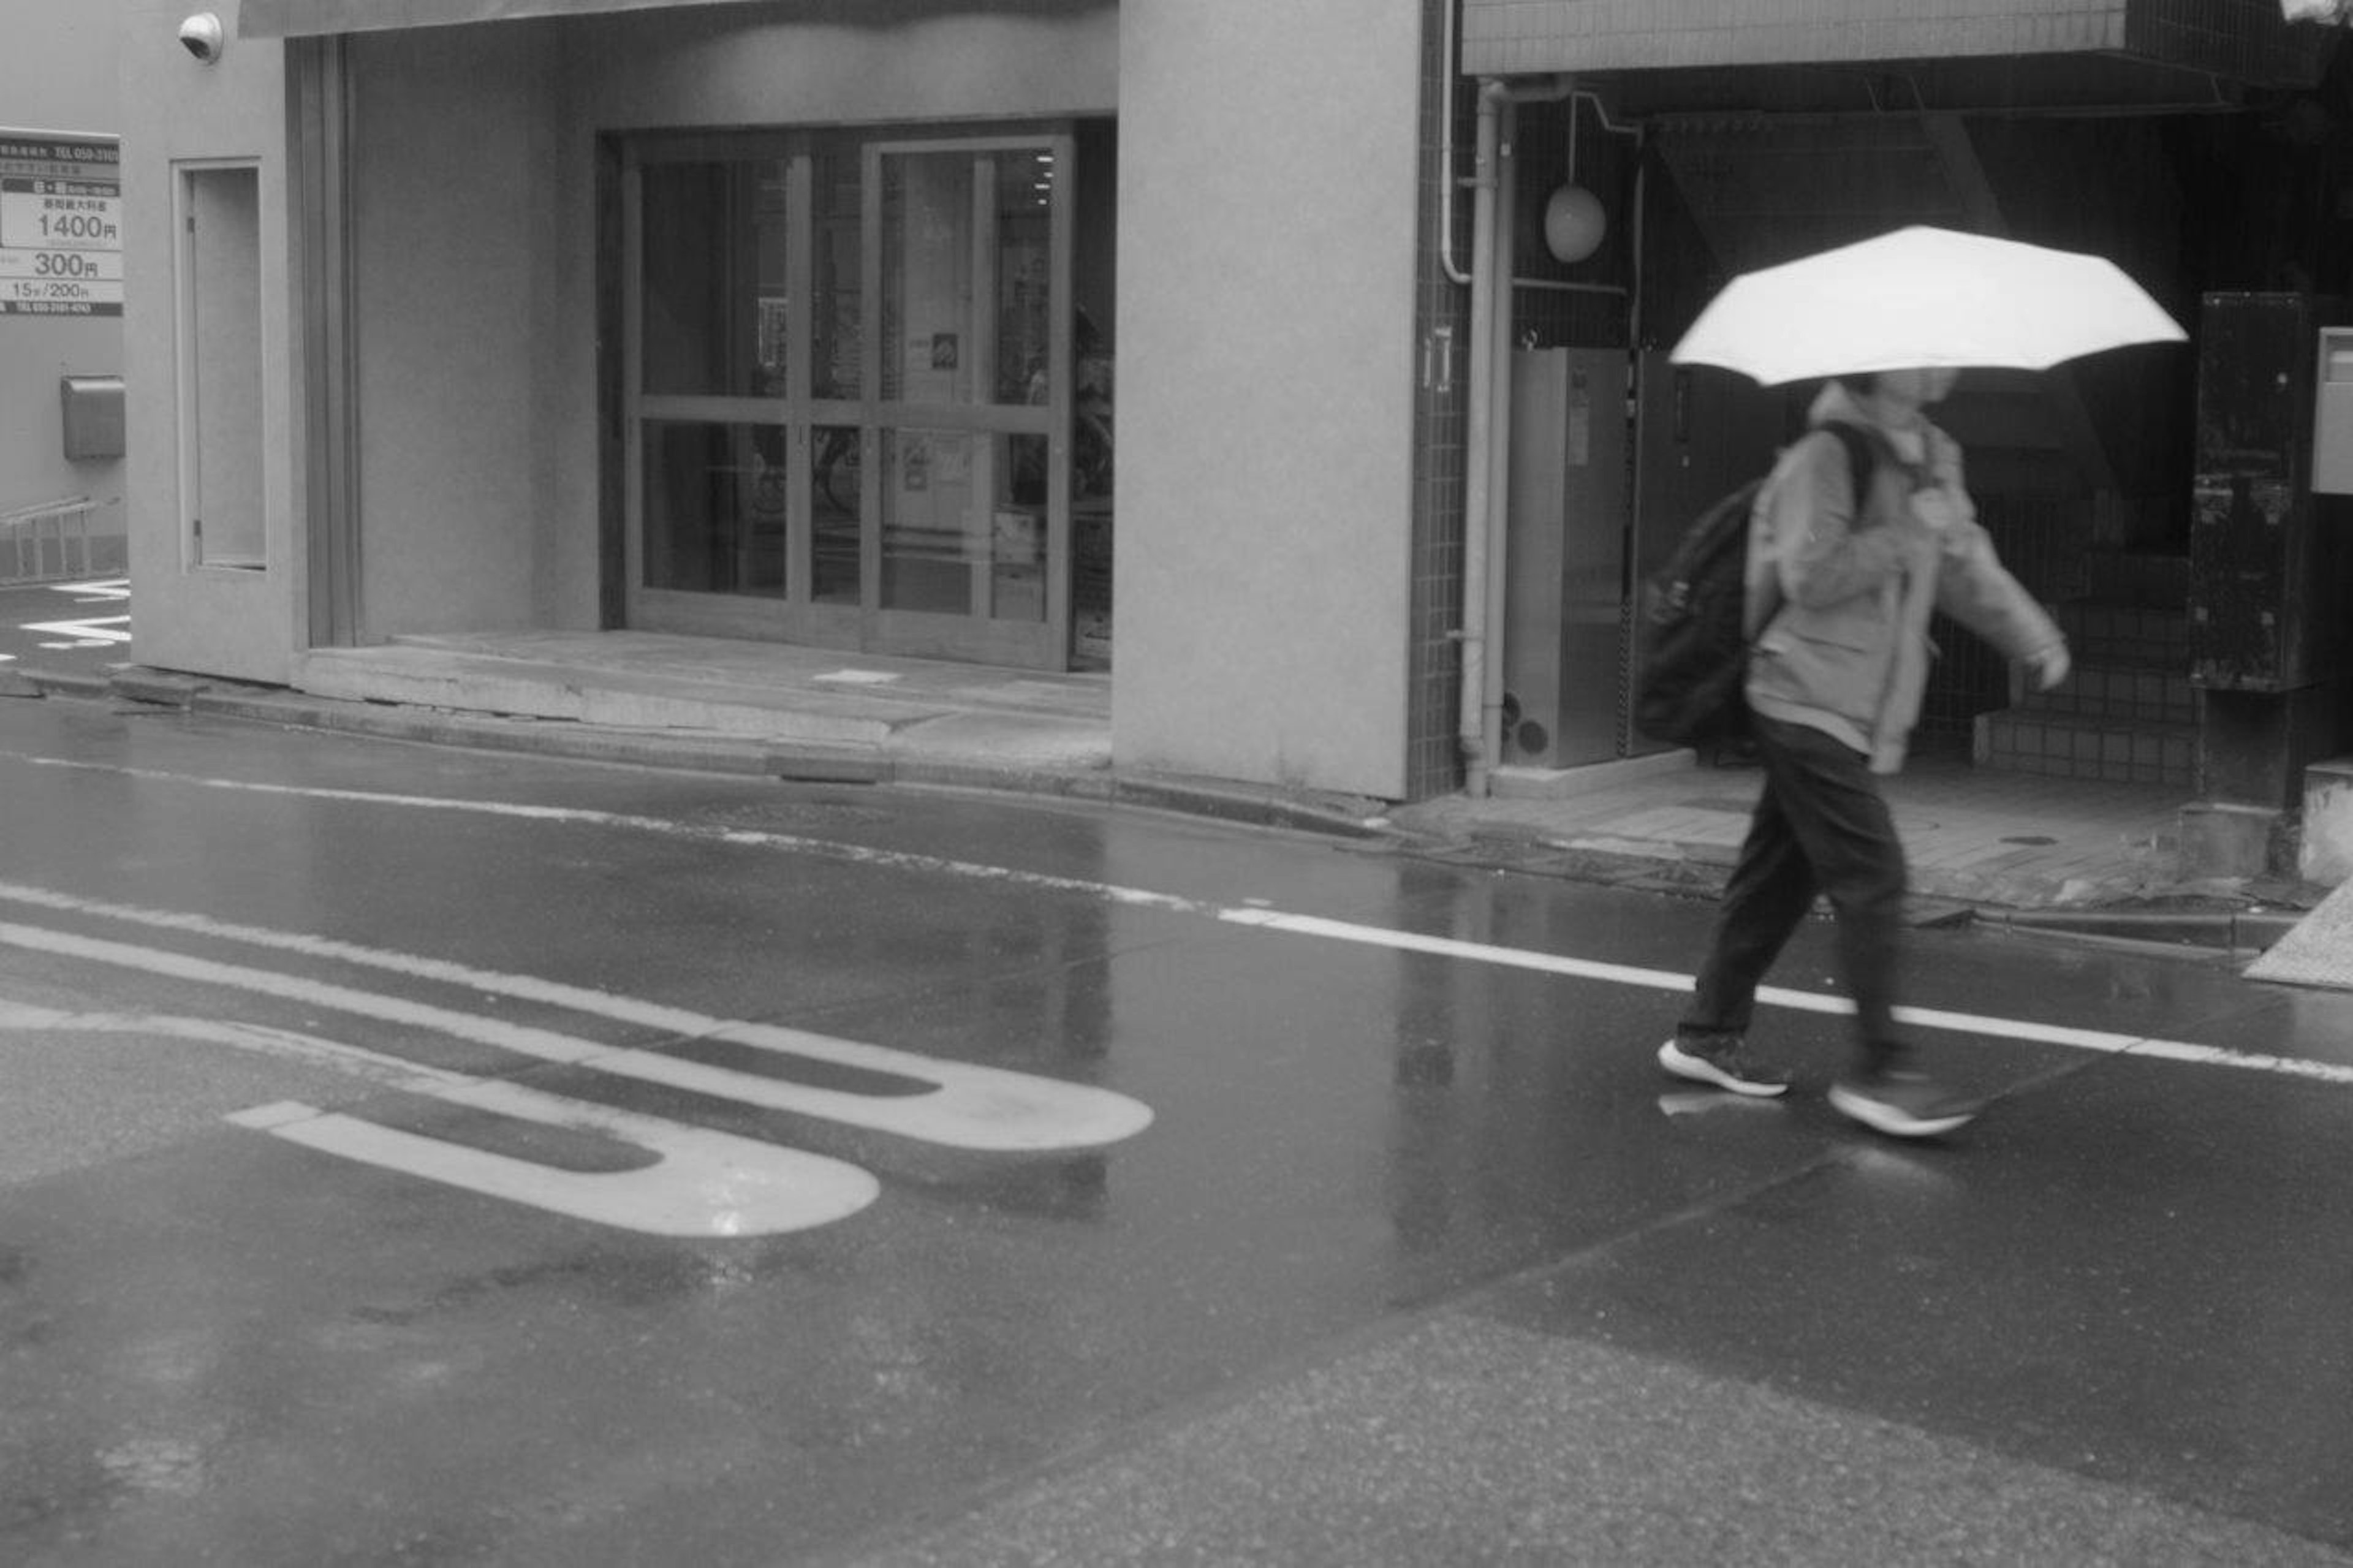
x,y
2049,667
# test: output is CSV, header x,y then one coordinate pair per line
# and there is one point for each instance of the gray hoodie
x,y
1839,593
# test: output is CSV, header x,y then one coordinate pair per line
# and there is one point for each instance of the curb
x,y
1671,869
2224,931
551,738
65,683
797,761
1233,803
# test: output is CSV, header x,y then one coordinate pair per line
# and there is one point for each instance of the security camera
x,y
201,36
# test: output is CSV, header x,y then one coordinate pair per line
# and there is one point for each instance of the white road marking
x,y
697,1183
97,588
373,1066
821,848
704,1182
2106,1041
96,631
947,1103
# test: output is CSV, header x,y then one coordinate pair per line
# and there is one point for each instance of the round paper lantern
x,y
1574,224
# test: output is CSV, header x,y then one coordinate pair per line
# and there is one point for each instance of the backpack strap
x,y
1863,449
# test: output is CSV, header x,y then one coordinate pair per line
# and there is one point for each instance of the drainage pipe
x,y
1446,181
1483,447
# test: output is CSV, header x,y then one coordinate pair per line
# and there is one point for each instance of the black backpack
x,y
1689,637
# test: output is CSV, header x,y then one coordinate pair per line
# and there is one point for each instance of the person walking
x,y
1840,587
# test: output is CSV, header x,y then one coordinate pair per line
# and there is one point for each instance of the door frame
x,y
880,424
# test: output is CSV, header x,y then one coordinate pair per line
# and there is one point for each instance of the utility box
x,y
2269,559
92,408
1564,552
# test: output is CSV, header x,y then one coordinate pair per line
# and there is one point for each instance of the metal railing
x,y
45,543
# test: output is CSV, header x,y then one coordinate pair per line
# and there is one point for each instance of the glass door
x,y
970,490
715,331
848,392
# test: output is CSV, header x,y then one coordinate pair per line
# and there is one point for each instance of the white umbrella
x,y
1923,297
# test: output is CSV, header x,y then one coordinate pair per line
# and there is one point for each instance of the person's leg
x,y
1844,829
1841,823
1771,890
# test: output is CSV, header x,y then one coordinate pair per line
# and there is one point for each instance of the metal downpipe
x,y
1484,456
1476,505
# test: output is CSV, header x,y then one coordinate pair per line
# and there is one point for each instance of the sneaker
x,y
1726,1065
1903,1104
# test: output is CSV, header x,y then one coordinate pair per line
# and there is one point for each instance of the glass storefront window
x,y
1024,184
836,505
716,257
863,405
966,305
836,359
714,507
954,539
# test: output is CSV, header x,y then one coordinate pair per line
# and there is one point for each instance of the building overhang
x,y
311,18
1669,56
306,18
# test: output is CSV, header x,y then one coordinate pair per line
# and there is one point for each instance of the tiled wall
x,y
1433,762
2247,38
2058,749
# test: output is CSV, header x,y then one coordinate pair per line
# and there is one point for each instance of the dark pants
x,y
1822,826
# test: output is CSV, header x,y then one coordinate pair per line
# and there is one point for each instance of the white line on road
x,y
703,1182
96,631
951,1104
2103,1040
97,588
698,1181
2099,1040
588,816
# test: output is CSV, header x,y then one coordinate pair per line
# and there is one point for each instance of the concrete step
x,y
2083,746
623,699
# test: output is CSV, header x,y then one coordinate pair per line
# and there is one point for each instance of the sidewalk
x,y
2009,846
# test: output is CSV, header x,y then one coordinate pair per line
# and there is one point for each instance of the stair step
x,y
2078,746
2111,691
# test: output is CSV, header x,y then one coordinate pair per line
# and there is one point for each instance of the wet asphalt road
x,y
1418,1259
81,626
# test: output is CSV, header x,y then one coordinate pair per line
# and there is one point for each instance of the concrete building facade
x,y
798,320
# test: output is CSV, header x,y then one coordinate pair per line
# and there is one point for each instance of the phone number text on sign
x,y
61,226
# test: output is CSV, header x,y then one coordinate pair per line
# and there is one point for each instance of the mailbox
x,y
93,416
2332,416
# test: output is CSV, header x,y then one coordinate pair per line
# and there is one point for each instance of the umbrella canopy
x,y
1923,297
